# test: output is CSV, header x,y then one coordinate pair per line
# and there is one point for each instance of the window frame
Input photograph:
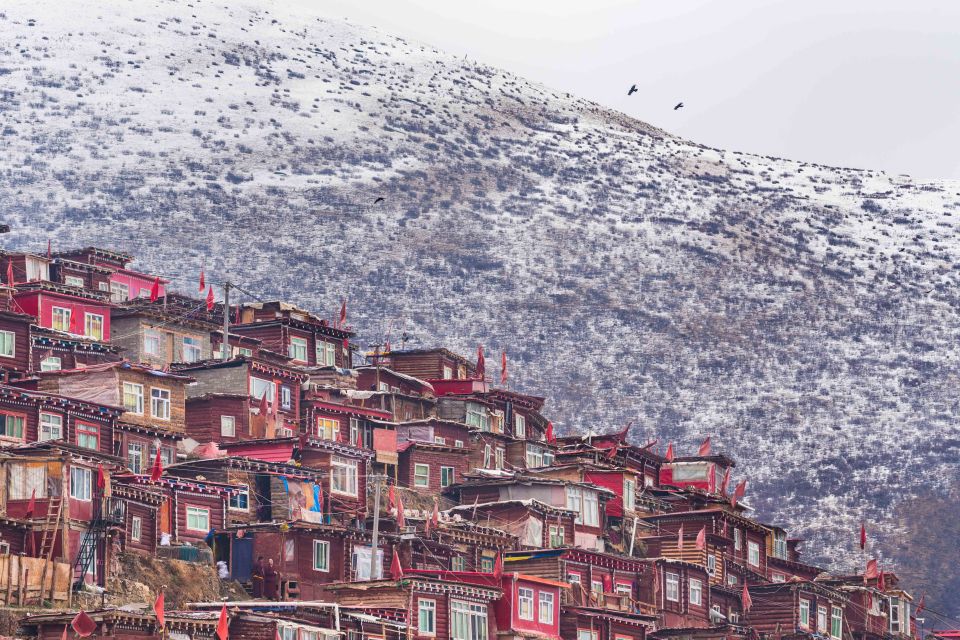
x,y
426,607
447,476
8,338
525,603
87,430
696,588
41,426
418,476
546,602
139,466
753,546
671,582
236,498
519,426
822,619
134,387
192,344
136,528
65,315
226,420
52,360
804,608
296,347
21,417
836,620
629,491
90,319
152,336
325,556
160,401
350,476
81,484
196,511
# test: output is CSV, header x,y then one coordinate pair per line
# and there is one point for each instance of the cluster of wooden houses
x,y
399,493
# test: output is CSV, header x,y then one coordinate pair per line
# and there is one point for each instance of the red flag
x,y
702,538
503,367
881,583
498,566
436,512
32,505
359,439
680,539
863,536
401,520
64,636
155,290
725,529
83,624
669,454
396,571
10,272
203,281
343,312
391,497
101,477
921,605
210,298
262,409
612,451
549,433
725,482
223,624
74,329
871,571
607,583
739,492
157,470
158,609
747,600
278,637
481,363
704,448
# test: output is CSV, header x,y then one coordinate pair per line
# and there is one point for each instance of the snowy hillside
x,y
805,316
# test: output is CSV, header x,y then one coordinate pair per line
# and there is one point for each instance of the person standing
x,y
257,578
271,581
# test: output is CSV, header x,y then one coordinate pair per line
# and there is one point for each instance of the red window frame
x,y
87,429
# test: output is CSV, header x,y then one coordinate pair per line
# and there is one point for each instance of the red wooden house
x,y
430,467
82,275
428,364
535,524
125,283
124,624
302,336
15,360
52,350
613,449
797,610
696,472
530,605
65,309
680,592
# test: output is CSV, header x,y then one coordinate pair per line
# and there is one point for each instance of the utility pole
x,y
375,539
225,346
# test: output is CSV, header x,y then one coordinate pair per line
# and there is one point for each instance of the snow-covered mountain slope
x,y
805,316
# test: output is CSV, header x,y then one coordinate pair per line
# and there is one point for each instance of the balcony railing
x,y
612,601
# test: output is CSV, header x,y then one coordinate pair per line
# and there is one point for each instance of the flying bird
x,y
679,104
378,200
632,90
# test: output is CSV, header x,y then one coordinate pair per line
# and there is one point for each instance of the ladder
x,y
92,538
54,511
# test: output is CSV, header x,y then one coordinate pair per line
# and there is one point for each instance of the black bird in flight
x,y
679,104
632,90
378,200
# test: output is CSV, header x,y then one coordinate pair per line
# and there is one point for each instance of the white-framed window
x,y
24,481
133,397
672,587
458,563
329,429
557,537
51,427
421,475
160,403
478,416
8,344
326,353
103,286
804,613
574,578
753,553
192,349
287,632
426,617
286,397
88,435
198,519
439,440
136,528
596,586
343,476
894,615
836,622
519,426
731,580
81,483
780,545
737,540
51,363
458,444
586,503
624,588
166,454
60,319
447,372
711,564
696,591
240,501
545,613
321,555
119,292
468,621
135,456
447,476
259,386
73,281
297,349
487,455
778,577
500,458
228,426
822,619
152,342
587,634
534,456
11,425
354,430
93,326
525,603
629,494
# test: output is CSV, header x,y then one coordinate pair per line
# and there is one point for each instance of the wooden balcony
x,y
612,601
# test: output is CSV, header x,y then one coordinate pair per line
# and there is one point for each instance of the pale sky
x,y
868,84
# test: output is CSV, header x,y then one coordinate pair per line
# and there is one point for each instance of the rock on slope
x,y
804,315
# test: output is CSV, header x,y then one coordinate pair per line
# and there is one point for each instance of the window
x,y
119,292
326,354
458,444
439,440
534,457
468,621
328,429
822,619
135,456
88,435
240,501
152,342
51,363
160,403
753,553
525,603
321,555
421,475
60,319
93,326
487,451
244,351
519,426
804,613
447,372
298,349
136,528
894,615
73,281
11,426
51,426
228,426
81,483
673,587
343,476
287,632
286,398
737,540
447,476
427,617
458,563
836,622
361,560
596,586
166,454
573,578
711,564
557,538
486,564
778,577
354,430
133,397
624,588
629,493
477,416
731,579
500,458
591,508
198,519
545,613
780,545
192,349
696,591
575,502
8,344
103,286
23,481
587,634
259,386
